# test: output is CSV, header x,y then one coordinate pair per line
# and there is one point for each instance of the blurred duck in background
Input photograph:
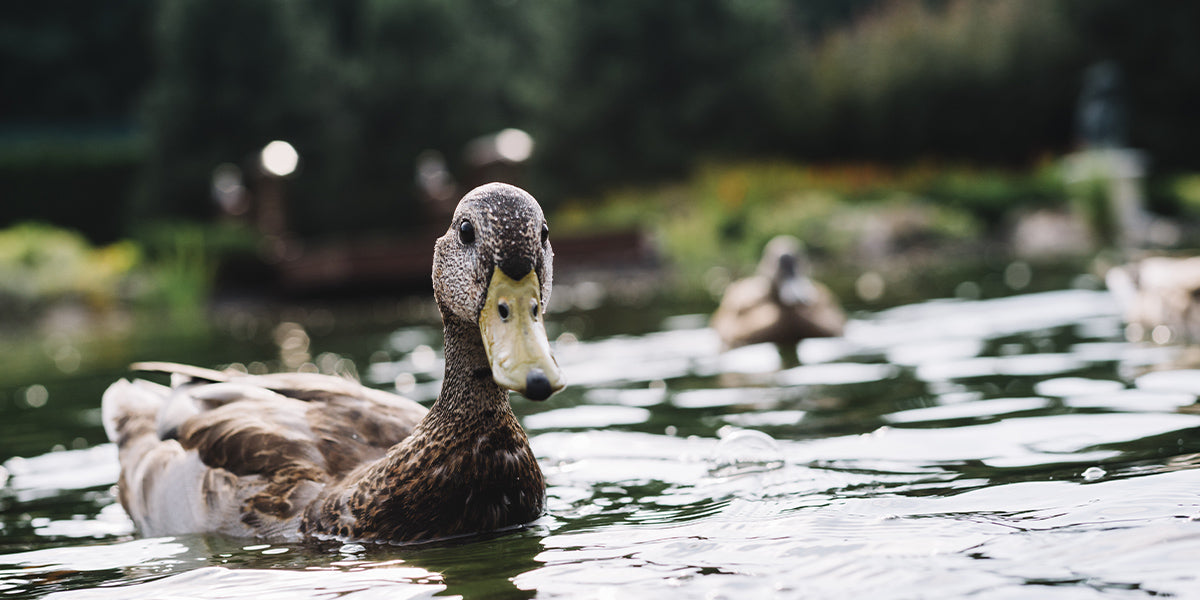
x,y
780,303
1160,298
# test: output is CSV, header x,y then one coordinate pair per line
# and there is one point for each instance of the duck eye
x,y
466,232
545,233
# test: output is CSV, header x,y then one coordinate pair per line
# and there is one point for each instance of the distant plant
x,y
170,268
182,262
1187,189
40,263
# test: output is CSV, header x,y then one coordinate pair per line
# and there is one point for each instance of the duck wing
x,y
823,317
240,454
746,313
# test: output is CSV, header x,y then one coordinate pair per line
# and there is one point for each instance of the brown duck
x,y
780,303
296,456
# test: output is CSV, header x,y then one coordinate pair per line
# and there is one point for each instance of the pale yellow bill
x,y
515,339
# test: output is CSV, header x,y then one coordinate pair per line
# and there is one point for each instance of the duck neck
x,y
467,385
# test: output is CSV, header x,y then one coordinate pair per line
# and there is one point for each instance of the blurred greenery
x,y
77,181
182,264
1187,189
724,214
948,112
167,267
40,262
157,93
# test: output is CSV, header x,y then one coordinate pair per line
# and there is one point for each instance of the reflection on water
x,y
1016,447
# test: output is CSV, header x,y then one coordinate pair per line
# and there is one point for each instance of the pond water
x,y
999,448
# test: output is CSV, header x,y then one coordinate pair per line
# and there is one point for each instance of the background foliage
x,y
123,108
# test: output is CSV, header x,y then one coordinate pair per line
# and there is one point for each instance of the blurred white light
x,y
870,286
227,189
226,178
514,145
1161,334
1017,275
279,158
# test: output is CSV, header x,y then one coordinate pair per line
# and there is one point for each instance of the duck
x,y
1159,297
780,303
303,456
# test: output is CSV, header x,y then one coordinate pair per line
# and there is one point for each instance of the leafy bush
x,y
40,263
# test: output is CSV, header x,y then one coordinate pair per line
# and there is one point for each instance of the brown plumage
x,y
292,456
779,304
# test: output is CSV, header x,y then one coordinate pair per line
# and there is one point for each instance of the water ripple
x,y
1015,447
219,583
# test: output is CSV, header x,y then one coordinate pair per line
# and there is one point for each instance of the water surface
x,y
1015,447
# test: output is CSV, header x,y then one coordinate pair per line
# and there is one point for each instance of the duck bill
x,y
797,291
515,339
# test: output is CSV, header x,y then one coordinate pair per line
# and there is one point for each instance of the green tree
x,y
67,64
963,80
433,75
644,88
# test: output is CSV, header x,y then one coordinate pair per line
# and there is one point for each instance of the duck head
x,y
785,264
494,268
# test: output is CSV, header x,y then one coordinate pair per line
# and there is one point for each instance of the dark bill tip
x,y
537,386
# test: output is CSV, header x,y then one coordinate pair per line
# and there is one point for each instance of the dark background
x,y
115,113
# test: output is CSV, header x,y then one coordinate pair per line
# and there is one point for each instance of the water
x,y
1005,448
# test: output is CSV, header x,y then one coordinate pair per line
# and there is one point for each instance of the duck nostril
x,y
537,386
533,309
502,308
